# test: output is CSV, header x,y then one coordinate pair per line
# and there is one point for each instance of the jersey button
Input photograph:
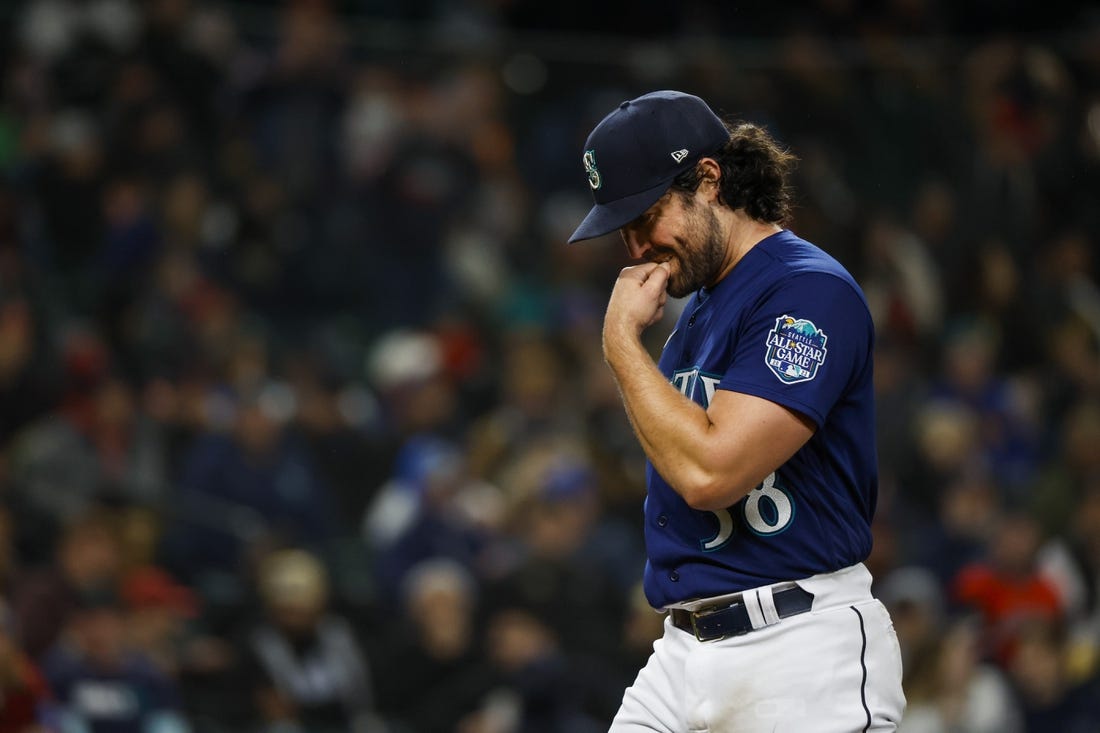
x,y
662,520
674,576
691,321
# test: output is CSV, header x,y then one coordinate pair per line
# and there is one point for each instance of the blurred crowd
x,y
304,424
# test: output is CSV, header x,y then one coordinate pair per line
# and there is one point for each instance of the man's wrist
x,y
620,343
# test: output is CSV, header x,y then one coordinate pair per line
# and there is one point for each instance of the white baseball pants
x,y
833,669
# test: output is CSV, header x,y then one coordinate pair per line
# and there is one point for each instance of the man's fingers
x,y
658,277
641,273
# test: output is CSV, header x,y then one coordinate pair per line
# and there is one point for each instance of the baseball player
x,y
758,426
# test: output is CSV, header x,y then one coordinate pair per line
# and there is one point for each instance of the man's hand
x,y
637,302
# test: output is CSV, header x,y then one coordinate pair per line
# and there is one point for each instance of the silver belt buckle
x,y
702,613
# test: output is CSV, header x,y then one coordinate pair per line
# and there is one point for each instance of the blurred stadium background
x,y
304,425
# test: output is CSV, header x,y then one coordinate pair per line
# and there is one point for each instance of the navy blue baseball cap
x,y
633,155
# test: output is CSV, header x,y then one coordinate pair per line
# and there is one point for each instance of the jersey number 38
x,y
767,510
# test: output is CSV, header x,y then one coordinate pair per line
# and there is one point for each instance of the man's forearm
x,y
671,429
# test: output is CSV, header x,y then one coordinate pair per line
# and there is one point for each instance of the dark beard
x,y
702,265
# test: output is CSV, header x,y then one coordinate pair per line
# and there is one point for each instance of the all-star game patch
x,y
796,349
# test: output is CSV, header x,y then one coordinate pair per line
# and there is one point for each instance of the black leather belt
x,y
710,624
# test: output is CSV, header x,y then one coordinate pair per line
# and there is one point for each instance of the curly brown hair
x,y
754,169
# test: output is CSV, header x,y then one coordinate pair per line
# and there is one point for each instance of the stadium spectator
x,y
252,488
102,684
303,666
949,687
1051,697
1007,587
87,562
436,672
27,698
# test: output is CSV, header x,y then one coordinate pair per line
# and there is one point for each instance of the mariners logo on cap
x,y
796,348
594,179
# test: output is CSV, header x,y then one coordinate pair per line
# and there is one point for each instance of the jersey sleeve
x,y
802,345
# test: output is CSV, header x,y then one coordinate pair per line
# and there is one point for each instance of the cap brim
x,y
605,218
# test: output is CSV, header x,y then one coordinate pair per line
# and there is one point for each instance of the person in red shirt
x,y
1007,588
24,694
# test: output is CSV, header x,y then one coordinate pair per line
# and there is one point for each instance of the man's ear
x,y
710,176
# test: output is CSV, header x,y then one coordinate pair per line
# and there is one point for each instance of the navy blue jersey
x,y
790,325
127,698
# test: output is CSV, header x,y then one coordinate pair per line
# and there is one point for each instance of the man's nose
x,y
636,246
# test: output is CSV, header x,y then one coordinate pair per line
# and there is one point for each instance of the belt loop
x,y
750,600
767,603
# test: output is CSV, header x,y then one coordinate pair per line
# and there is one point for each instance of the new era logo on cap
x,y
641,146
